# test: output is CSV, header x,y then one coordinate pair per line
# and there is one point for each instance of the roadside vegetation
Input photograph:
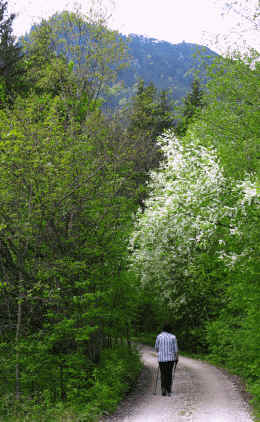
x,y
195,247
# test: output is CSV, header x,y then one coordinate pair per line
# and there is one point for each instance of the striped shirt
x,y
166,346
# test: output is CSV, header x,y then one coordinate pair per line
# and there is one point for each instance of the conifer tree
x,y
150,111
193,102
149,115
10,56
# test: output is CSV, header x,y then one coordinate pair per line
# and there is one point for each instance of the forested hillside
x,y
168,66
112,224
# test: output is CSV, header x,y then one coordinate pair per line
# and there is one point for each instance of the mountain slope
x,y
166,65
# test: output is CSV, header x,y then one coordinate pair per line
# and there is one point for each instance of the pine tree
x,y
193,102
150,112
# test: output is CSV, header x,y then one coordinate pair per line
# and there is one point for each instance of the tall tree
x,y
10,57
149,112
147,116
64,224
192,104
94,52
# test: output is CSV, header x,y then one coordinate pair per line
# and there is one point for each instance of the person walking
x,y
167,348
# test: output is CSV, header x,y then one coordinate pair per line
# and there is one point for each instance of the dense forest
x,y
115,221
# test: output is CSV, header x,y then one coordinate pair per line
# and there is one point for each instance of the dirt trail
x,y
201,393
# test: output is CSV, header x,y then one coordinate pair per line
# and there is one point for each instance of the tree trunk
x,y
17,337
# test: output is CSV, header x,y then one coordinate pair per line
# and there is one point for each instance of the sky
x,y
195,21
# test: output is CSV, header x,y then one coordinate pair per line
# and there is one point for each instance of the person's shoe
x,y
169,394
163,392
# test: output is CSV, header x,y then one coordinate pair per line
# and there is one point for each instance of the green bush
x,y
114,377
234,337
111,380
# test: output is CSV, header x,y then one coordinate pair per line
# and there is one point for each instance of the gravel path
x,y
201,393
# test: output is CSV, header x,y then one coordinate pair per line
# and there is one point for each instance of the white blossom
x,y
249,190
190,201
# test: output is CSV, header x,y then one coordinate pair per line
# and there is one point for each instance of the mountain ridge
x,y
168,66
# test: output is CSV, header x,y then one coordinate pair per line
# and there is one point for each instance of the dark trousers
x,y
166,375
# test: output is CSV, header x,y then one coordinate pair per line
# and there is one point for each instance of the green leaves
x,y
194,232
230,121
67,199
196,242
66,207
94,54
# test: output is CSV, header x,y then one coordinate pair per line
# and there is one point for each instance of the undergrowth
x,y
112,379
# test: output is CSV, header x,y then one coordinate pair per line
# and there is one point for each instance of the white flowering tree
x,y
193,231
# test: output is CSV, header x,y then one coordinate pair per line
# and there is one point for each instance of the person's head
x,y
167,327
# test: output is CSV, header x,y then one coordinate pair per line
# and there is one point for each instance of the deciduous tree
x,y
64,226
230,121
196,225
94,52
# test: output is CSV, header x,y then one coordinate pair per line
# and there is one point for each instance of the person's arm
x,y
156,346
177,351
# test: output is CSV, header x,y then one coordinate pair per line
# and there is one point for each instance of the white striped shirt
x,y
166,346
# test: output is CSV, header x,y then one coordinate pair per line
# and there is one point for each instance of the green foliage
x,y
11,69
70,182
67,196
147,338
148,114
109,65
195,247
196,243
109,382
192,104
233,337
65,219
116,375
230,121
94,53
